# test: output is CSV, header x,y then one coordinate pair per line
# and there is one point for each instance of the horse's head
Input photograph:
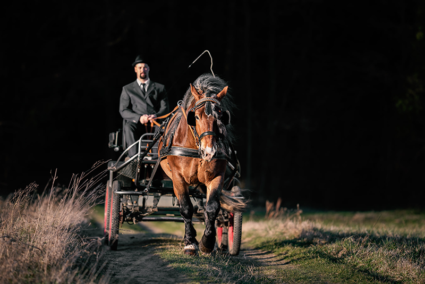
x,y
208,118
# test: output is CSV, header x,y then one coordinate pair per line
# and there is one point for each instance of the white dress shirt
x,y
146,84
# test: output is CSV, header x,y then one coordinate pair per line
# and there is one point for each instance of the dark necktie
x,y
143,88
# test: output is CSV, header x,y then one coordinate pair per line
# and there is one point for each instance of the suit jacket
x,y
134,104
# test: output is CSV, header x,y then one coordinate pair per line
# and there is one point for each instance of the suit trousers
x,y
133,131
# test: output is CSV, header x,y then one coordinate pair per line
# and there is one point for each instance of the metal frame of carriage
x,y
133,195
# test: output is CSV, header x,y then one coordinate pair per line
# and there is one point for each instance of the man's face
x,y
142,70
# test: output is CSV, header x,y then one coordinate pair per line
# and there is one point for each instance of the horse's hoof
x,y
206,246
190,252
204,249
191,249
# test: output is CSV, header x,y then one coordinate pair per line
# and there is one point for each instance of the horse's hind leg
x,y
211,211
181,190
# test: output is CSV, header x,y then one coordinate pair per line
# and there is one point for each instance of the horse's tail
x,y
232,204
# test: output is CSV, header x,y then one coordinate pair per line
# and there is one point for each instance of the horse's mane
x,y
208,85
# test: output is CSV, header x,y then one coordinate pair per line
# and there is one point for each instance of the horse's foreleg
x,y
181,189
186,210
211,212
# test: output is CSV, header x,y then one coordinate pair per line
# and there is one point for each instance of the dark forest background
x,y
330,96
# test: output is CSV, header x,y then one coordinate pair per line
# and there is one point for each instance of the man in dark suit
x,y
140,102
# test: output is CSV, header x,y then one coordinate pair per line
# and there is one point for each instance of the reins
x,y
197,105
153,120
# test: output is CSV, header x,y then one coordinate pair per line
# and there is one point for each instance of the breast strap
x,y
187,152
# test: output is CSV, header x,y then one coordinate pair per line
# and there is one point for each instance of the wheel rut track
x,y
136,260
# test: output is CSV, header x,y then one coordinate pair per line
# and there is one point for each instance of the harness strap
x,y
189,152
207,99
203,101
206,134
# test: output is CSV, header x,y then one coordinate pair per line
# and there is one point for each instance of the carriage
x,y
138,190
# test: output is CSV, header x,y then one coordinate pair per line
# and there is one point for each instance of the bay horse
x,y
206,105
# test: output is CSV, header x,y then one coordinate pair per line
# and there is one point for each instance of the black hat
x,y
139,59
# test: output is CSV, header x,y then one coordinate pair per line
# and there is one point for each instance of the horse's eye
x,y
197,117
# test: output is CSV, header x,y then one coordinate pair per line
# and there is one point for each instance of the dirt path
x,y
136,260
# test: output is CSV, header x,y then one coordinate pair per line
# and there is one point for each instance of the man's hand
x,y
146,118
151,116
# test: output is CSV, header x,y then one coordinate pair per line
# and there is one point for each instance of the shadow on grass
x,y
315,239
317,235
374,275
133,241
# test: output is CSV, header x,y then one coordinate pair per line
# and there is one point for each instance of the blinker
x,y
191,120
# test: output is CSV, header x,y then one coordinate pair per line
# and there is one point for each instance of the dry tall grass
x,y
39,235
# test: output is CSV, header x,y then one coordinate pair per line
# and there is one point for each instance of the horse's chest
x,y
207,171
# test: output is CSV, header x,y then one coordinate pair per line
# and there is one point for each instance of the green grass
x,y
396,219
175,228
347,247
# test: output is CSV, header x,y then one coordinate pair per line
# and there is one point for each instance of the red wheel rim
x,y
219,235
230,231
105,213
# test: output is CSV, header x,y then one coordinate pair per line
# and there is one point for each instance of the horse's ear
x,y
222,93
194,92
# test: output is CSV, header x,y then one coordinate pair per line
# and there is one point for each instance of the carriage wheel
x,y
114,219
235,232
107,214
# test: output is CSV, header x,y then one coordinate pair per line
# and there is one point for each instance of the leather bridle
x,y
199,104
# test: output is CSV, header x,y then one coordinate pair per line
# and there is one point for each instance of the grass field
x,y
344,247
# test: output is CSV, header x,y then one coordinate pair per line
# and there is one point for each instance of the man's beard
x,y
143,76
